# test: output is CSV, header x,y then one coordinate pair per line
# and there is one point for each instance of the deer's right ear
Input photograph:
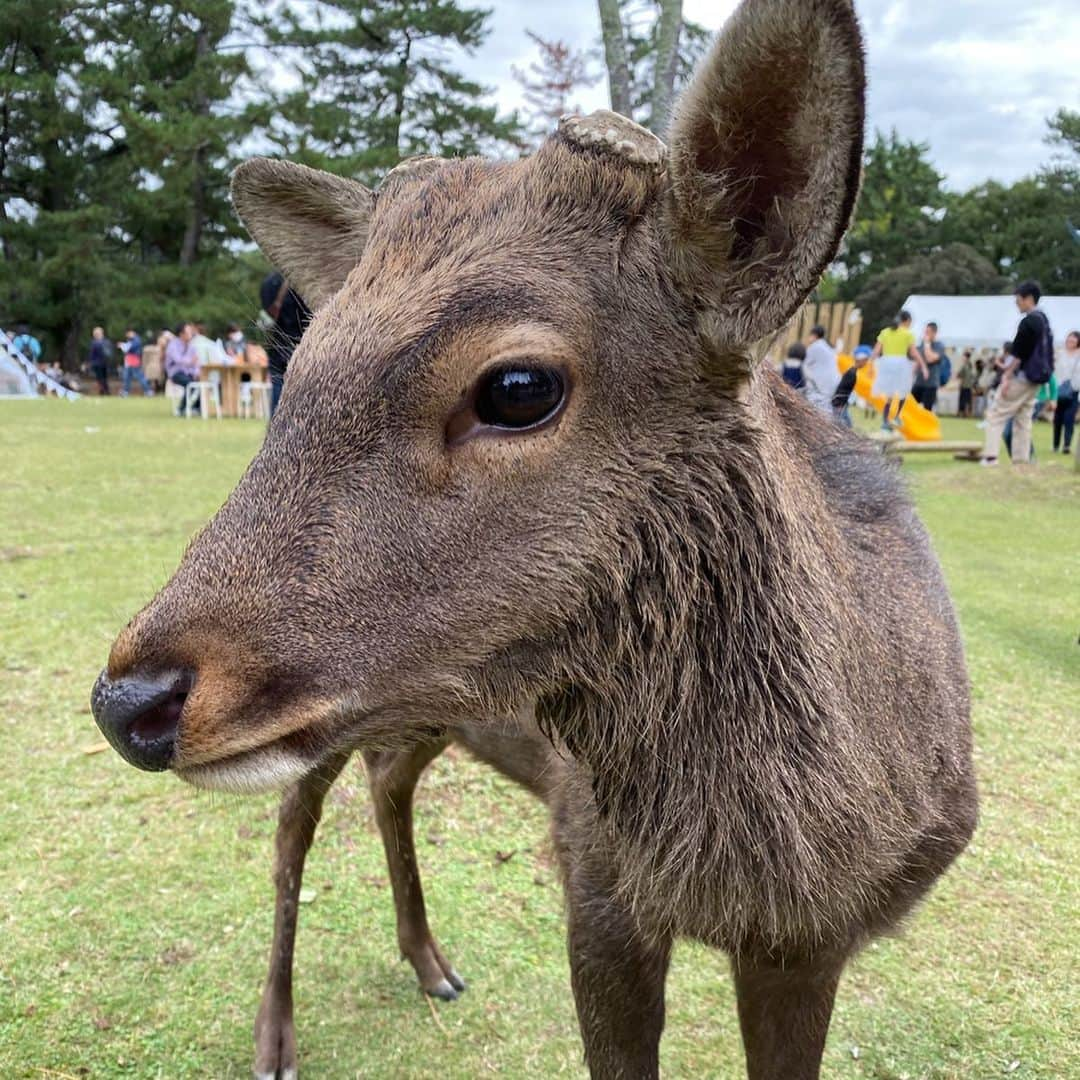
x,y
311,225
765,159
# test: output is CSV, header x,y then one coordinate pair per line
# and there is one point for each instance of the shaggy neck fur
x,y
711,710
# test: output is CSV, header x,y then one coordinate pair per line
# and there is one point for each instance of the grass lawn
x,y
135,913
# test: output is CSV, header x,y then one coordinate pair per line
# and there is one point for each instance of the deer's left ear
x,y
765,159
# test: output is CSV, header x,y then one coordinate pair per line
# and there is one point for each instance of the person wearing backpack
x,y
928,381
1030,363
27,344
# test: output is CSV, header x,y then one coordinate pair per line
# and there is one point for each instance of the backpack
x,y
29,346
945,370
1039,366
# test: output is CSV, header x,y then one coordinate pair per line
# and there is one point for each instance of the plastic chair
x,y
260,396
208,392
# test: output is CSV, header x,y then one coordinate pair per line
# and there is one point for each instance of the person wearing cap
x,y
844,388
820,371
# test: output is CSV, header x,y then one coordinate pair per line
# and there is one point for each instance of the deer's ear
x,y
311,225
765,159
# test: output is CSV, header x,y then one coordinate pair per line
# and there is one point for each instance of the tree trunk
x,y
70,352
399,96
5,138
615,56
189,249
667,59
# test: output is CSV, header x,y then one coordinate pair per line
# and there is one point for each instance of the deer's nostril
x,y
140,716
159,721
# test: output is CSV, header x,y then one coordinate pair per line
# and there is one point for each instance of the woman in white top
x,y
1067,372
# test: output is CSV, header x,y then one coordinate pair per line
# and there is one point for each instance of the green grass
x,y
135,913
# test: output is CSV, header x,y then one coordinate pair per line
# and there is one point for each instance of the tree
x,y
120,124
618,67
1065,130
550,81
955,270
654,50
60,157
1025,228
117,134
665,62
898,215
375,85
182,123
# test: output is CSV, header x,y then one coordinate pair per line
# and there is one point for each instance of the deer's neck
x,y
705,703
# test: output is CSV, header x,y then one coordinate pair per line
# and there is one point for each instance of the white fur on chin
x,y
268,769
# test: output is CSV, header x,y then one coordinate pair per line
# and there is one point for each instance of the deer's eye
x,y
518,397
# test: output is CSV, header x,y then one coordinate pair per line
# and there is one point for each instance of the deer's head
x,y
503,357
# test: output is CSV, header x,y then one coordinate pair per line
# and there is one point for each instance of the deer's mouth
x,y
270,767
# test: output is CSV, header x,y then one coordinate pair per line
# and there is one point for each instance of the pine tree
x,y
375,85
117,134
58,163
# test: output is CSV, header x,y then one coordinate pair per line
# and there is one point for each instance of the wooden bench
x,y
961,450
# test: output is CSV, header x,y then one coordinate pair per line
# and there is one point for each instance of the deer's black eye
x,y
518,397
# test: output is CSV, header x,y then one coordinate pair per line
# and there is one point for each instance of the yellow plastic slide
x,y
916,423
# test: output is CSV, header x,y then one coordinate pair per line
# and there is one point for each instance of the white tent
x,y
980,322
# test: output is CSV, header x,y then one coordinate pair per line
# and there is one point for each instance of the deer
x,y
531,489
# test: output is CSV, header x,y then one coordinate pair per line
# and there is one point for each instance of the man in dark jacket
x,y
290,316
100,354
1033,347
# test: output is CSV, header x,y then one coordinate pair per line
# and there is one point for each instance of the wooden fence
x,y
842,322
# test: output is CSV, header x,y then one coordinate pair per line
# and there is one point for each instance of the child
x,y
840,399
792,370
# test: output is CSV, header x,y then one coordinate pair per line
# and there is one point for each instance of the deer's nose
x,y
140,715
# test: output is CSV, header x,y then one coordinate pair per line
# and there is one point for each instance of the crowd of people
x,y
1012,388
179,355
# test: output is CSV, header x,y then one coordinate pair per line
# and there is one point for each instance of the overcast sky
x,y
975,79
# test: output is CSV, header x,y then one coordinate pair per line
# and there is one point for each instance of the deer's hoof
x,y
275,1042
448,988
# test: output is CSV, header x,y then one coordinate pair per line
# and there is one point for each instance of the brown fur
x,y
757,751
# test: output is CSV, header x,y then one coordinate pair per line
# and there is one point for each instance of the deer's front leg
x,y
301,808
393,778
618,976
784,1013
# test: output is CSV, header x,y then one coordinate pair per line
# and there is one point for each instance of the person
x,y
844,388
288,316
26,343
181,359
234,343
1067,370
208,350
820,372
928,381
792,371
132,348
968,376
896,358
100,350
1029,364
